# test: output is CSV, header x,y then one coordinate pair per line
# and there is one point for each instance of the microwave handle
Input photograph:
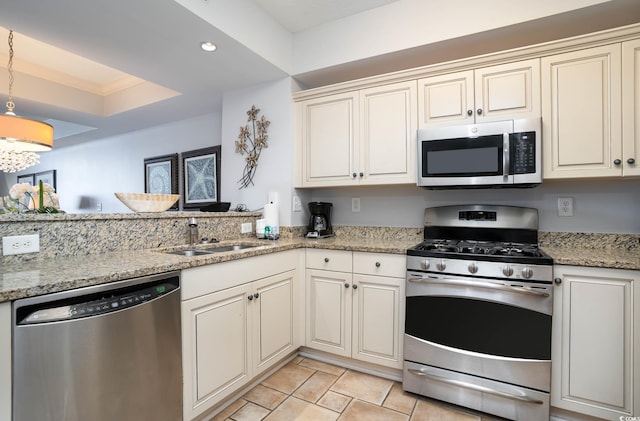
x,y
505,155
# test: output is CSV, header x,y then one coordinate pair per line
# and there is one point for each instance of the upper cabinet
x,y
581,97
501,92
363,137
591,110
631,107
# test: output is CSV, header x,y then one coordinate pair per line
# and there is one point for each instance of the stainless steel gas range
x,y
479,300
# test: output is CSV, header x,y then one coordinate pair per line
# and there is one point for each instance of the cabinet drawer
x,y
394,265
335,260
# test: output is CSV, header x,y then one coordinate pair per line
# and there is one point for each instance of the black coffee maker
x,y
320,220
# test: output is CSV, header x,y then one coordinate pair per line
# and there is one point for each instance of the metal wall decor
x,y
251,140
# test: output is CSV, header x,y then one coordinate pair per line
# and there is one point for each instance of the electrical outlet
x,y
355,204
565,206
20,244
297,204
99,207
245,228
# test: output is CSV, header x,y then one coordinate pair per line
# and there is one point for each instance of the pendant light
x,y
21,138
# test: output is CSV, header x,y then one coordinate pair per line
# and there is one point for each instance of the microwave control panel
x,y
523,147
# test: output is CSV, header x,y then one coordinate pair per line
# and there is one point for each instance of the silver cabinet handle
x,y
480,284
478,388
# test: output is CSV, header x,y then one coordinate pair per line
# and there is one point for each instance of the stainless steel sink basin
x,y
189,252
212,250
233,247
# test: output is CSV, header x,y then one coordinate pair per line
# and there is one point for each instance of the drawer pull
x,y
346,285
326,260
377,264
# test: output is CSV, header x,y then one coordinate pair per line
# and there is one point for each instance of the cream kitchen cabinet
x,y
581,103
355,305
596,341
364,137
630,158
232,335
501,92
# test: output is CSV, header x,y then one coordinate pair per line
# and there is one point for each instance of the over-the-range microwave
x,y
484,155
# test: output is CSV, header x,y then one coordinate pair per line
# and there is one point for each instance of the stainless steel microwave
x,y
484,155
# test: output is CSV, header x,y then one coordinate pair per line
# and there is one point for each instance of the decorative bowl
x,y
147,202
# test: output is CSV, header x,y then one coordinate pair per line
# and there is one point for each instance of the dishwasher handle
x,y
95,304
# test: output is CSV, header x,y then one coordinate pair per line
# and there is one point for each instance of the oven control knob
x,y
527,272
473,268
441,265
507,271
425,264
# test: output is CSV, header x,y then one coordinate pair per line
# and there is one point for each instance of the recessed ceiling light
x,y
208,46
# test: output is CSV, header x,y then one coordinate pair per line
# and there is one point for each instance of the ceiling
x,y
99,69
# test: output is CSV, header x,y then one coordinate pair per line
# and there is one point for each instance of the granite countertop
x,y
42,277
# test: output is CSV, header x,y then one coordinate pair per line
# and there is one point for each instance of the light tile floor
x,y
307,389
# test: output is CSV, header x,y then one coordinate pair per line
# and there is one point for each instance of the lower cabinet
x,y
357,310
596,342
231,336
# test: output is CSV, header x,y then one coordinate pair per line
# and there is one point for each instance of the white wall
x,y
599,206
275,166
89,174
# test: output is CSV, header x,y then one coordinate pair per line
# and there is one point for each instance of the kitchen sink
x,y
212,250
189,252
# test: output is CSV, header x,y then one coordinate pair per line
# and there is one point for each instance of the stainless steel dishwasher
x,y
106,352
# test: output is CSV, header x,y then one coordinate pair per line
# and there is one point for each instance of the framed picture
x,y
161,175
48,177
201,176
26,178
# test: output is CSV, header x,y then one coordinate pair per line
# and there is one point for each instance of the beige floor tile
x,y
431,411
225,413
315,386
288,378
294,409
363,386
399,400
319,365
334,401
359,411
265,396
296,360
250,412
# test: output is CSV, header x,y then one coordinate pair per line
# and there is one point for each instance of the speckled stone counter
x,y
617,251
37,277
24,278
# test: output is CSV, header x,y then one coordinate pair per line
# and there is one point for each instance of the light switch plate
x,y
20,244
355,204
245,228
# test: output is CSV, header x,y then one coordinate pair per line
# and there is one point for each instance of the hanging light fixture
x,y
21,138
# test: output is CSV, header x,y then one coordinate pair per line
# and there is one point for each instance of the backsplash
x,y
64,235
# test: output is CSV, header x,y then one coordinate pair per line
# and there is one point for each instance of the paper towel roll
x,y
271,215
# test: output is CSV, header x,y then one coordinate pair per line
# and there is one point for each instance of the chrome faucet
x,y
193,231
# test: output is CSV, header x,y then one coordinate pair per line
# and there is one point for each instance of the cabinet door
x,y
378,319
273,319
631,107
581,97
446,99
508,91
329,127
216,348
329,311
388,134
593,351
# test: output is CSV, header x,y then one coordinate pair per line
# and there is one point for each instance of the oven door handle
x,y
480,284
478,388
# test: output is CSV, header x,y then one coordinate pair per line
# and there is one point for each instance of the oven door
x,y
497,329
465,156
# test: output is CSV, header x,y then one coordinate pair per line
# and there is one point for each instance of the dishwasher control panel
x,y
94,305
